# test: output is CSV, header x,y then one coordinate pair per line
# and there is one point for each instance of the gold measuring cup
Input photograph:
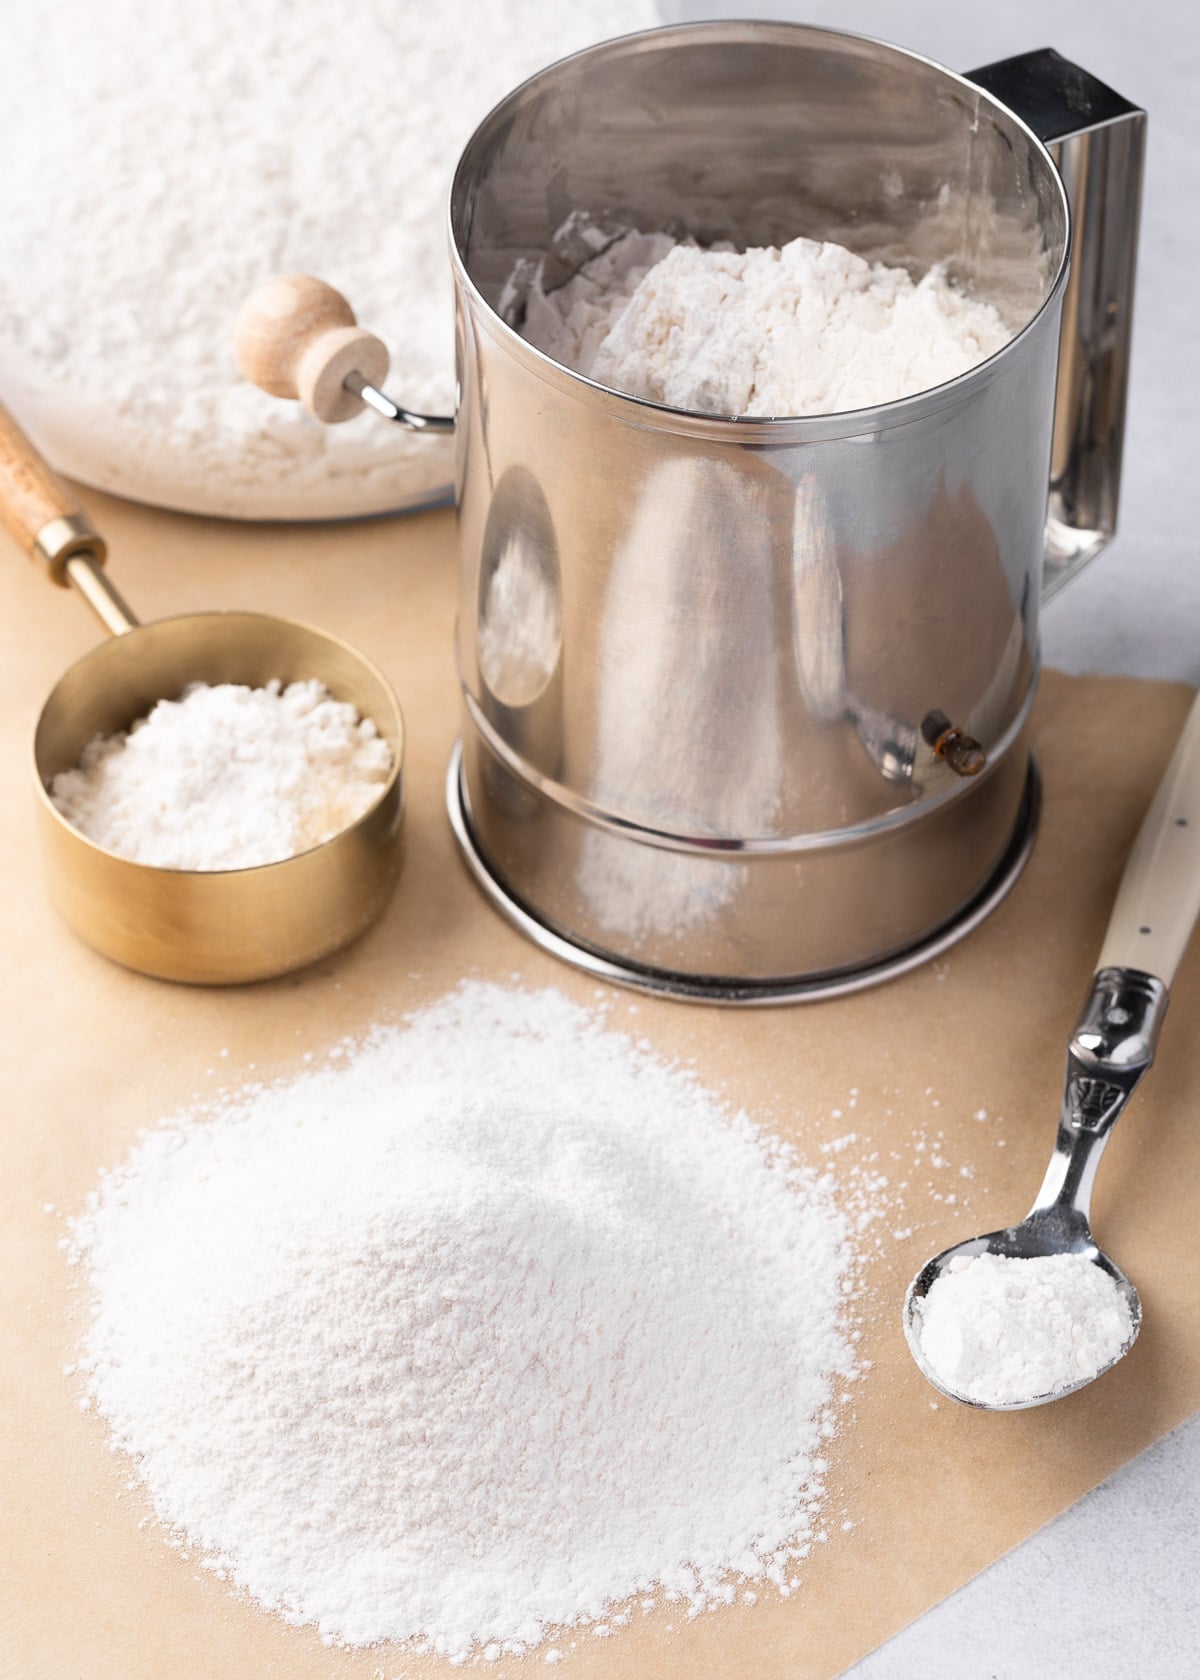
x,y
212,927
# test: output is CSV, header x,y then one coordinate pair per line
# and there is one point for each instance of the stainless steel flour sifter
x,y
745,700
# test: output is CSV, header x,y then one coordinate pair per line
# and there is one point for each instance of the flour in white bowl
x,y
227,777
807,329
491,1325
161,160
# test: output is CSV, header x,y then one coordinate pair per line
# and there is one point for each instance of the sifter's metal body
x,y
709,665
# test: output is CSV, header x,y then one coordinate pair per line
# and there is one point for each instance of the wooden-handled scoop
x,y
40,513
297,337
208,927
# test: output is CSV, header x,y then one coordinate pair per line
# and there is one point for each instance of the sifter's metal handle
x,y
1097,141
297,337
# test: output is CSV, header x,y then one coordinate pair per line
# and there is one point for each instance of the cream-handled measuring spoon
x,y
1110,1049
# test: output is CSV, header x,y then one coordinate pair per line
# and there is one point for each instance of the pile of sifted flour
x,y
227,777
1001,1331
195,151
489,1326
807,329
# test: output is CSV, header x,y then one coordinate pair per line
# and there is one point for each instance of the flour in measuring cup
x,y
807,329
227,777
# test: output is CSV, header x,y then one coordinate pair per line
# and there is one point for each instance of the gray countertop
x,y
1112,1587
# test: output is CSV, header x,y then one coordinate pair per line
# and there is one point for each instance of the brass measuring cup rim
x,y
101,651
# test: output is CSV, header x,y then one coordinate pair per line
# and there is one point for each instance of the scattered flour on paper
x,y
197,150
1001,1330
807,329
496,1323
227,777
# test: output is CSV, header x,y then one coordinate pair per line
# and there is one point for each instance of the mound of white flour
x,y
483,1328
162,159
808,329
227,777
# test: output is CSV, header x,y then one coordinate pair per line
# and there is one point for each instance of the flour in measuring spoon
x,y
1001,1330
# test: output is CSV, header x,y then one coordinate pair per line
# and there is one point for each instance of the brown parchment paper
x,y
90,1054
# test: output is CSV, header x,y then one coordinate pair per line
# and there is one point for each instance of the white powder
x,y
227,777
194,151
493,1323
1001,1330
572,322
809,329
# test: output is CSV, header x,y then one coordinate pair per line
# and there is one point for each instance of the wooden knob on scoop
x,y
297,337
